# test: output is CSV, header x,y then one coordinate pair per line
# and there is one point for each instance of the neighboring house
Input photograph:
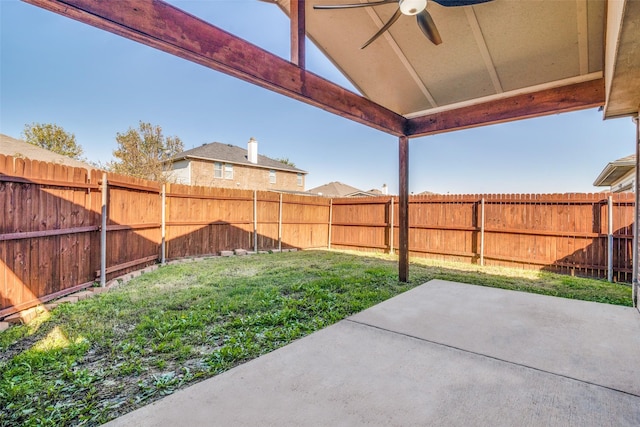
x,y
20,149
228,166
618,175
338,189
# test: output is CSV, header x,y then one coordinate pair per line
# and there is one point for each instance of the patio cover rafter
x,y
167,28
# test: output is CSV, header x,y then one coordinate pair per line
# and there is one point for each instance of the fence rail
x,y
54,238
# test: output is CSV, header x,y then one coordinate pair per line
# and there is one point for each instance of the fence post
x,y
391,249
255,221
163,259
330,219
280,225
610,239
103,233
482,232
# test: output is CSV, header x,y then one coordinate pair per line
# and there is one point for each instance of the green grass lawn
x,y
92,361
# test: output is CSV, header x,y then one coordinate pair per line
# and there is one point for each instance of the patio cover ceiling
x,y
499,61
490,51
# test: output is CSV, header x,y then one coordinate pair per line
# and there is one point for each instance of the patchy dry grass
x,y
90,362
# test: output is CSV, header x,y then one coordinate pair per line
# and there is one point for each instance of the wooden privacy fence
x,y
205,220
62,228
585,234
49,241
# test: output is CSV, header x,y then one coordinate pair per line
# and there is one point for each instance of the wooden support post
x,y
482,231
610,239
391,249
280,225
636,222
103,233
403,210
330,219
298,32
255,221
163,228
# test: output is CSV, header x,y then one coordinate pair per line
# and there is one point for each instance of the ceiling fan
x,y
408,7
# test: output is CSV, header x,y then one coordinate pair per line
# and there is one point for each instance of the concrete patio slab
x,y
577,339
440,354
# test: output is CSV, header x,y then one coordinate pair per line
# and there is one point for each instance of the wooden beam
x,y
167,28
563,99
298,32
403,210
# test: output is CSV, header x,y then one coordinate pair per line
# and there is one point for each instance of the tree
x,y
54,138
286,161
143,152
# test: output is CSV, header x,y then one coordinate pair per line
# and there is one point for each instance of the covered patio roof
x,y
489,51
499,61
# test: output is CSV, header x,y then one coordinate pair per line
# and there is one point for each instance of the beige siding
x,y
179,172
244,178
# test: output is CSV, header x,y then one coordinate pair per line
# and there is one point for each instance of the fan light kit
x,y
409,8
412,7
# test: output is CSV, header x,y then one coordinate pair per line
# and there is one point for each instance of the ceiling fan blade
x,y
452,3
428,27
384,28
351,6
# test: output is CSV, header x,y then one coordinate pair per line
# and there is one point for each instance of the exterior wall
x,y
180,172
244,178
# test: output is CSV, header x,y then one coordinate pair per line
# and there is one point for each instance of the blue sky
x,y
95,84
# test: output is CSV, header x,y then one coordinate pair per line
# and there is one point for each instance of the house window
x,y
299,182
272,176
217,170
228,171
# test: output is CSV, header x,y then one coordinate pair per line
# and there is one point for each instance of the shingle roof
x,y
627,159
338,189
232,154
16,148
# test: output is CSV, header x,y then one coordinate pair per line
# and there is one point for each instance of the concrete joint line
x,y
488,356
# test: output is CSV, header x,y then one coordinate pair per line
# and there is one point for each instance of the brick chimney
x,y
252,151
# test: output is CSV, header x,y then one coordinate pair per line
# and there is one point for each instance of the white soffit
x,y
622,77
